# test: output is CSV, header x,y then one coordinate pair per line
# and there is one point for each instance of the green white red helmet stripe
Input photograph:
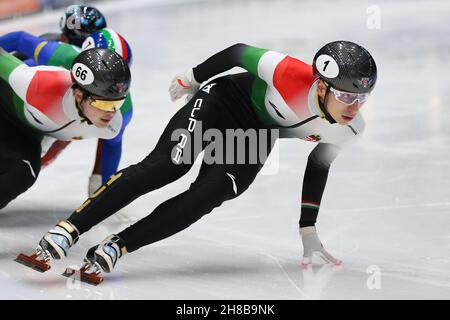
x,y
116,42
125,49
112,40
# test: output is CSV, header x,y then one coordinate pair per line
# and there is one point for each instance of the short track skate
x,y
89,273
39,261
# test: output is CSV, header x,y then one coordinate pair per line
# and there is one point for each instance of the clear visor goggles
x,y
349,98
107,105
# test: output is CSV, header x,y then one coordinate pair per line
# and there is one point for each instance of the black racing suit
x,y
226,106
20,150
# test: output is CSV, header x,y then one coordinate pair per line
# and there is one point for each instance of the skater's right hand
x,y
313,247
183,83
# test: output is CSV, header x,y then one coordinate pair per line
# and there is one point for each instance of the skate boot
x,y
102,257
55,244
106,253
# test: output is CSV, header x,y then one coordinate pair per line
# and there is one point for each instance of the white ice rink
x,y
386,207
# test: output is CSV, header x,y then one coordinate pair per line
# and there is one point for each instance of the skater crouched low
x,y
279,94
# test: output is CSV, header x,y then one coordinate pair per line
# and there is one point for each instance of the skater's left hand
x,y
313,247
95,181
182,84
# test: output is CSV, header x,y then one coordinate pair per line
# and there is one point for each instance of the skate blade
x,y
83,276
32,262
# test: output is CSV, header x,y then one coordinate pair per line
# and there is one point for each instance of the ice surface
x,y
386,205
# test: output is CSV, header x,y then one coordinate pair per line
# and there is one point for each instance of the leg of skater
x,y
19,162
215,184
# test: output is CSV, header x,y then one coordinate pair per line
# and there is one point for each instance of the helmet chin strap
x,y
323,107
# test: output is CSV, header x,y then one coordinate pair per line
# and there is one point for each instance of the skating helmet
x,y
102,73
346,66
79,21
109,39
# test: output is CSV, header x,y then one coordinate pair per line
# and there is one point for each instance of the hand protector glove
x,y
182,84
95,182
313,247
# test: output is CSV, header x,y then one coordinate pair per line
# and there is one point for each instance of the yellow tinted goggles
x,y
107,105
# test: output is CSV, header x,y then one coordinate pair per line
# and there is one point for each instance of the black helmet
x,y
102,73
346,66
79,21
